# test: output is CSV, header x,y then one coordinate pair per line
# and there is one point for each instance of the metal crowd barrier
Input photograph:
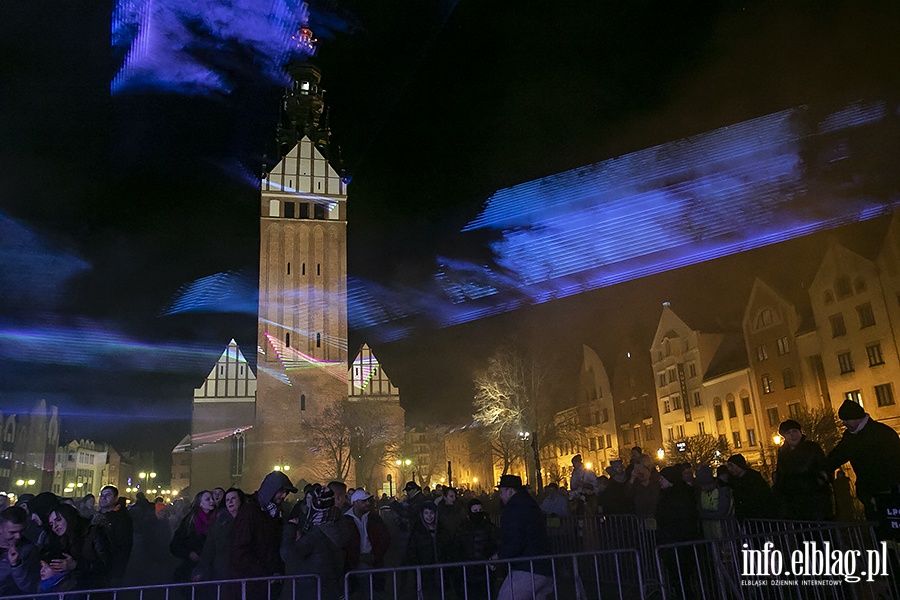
x,y
575,576
295,587
780,560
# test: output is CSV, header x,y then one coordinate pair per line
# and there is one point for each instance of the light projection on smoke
x,y
733,189
194,47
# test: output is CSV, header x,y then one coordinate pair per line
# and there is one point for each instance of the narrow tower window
x,y
289,269
318,340
303,269
302,402
287,339
318,268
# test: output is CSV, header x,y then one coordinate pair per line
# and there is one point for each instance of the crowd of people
x,y
51,545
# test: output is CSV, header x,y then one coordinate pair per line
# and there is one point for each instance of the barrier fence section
x,y
296,587
779,560
577,576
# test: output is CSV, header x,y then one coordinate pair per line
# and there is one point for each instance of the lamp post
x,y
525,436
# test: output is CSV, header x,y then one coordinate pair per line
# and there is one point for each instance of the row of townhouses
x,y
799,350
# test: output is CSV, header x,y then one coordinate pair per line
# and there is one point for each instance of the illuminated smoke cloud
x,y
737,188
97,345
33,273
229,292
193,47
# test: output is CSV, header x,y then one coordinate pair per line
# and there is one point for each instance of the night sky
x,y
109,205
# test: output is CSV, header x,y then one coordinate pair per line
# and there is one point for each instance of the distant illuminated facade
x,y
28,444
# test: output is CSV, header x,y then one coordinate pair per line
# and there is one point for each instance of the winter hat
x,y
850,410
42,505
738,460
323,498
410,486
672,474
788,426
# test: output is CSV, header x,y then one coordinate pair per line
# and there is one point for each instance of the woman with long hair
x,y
214,560
190,536
76,555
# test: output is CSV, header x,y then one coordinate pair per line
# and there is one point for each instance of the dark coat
x,y
322,551
874,453
450,515
753,498
185,540
676,514
427,547
91,551
476,541
215,559
800,483
523,532
256,541
121,539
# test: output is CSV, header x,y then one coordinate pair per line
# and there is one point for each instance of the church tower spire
x,y
302,327
303,104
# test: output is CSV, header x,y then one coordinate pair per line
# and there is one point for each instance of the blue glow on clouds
x,y
737,188
189,46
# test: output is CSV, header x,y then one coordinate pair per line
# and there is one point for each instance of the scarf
x,y
201,522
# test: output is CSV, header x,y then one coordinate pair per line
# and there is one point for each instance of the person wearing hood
x,y
40,507
801,483
429,544
476,540
715,505
873,450
257,530
316,545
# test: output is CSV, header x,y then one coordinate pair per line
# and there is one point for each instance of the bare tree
x,y
330,435
700,450
375,440
820,425
512,400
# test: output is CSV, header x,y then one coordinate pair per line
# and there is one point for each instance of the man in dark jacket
x,y
257,531
801,482
19,564
753,498
873,450
677,521
117,523
523,534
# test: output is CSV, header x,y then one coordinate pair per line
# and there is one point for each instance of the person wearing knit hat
x,y
873,450
801,482
753,498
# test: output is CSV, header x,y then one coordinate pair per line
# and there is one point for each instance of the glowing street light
x,y
660,454
588,465
777,439
142,475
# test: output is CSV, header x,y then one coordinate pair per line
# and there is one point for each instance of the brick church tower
x,y
302,334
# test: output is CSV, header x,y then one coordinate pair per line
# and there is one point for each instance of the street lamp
x,y
777,439
660,454
525,436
